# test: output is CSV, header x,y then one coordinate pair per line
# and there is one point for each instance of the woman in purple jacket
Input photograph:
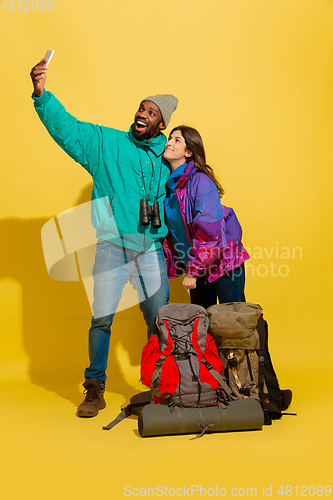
x,y
204,238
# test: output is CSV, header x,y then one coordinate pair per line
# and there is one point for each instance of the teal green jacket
x,y
121,167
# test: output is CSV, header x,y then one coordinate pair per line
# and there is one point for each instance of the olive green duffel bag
x,y
238,415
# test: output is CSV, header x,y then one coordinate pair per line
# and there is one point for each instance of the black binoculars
x,y
149,211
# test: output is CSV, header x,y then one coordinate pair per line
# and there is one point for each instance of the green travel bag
x,y
238,415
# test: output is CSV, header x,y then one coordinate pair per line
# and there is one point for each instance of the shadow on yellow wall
x,y
56,315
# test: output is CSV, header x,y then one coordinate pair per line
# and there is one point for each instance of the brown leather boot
x,y
94,400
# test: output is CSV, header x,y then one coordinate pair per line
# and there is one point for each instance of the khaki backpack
x,y
241,337
233,326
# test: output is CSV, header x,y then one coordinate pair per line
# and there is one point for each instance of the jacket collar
x,y
189,171
156,145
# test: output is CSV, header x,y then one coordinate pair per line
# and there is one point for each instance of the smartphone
x,y
48,56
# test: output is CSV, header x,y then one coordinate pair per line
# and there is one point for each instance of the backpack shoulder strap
x,y
218,377
125,412
164,354
137,402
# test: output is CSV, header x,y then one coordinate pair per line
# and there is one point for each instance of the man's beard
x,y
148,134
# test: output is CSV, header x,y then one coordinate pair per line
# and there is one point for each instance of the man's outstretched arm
x,y
82,141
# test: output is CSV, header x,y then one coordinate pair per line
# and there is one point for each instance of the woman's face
x,y
176,151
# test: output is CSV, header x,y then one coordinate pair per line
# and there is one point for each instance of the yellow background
x,y
255,77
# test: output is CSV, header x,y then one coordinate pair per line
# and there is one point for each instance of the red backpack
x,y
180,362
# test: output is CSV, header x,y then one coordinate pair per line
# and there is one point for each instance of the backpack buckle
x,y
207,365
171,404
222,396
232,362
159,362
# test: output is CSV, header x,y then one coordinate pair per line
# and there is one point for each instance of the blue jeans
x,y
228,288
114,267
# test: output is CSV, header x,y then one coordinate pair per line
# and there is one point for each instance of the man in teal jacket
x,y
129,176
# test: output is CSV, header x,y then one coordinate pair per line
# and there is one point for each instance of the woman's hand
x,y
189,282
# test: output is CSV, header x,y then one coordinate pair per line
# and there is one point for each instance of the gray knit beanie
x,y
167,104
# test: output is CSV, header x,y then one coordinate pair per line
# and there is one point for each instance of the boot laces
x,y
91,394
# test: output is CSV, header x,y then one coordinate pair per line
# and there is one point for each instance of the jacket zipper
x,y
184,219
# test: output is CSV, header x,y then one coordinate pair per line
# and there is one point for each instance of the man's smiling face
x,y
148,121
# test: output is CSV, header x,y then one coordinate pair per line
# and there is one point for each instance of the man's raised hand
x,y
38,77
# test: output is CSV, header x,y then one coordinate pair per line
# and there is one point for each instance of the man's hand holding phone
x,y
38,73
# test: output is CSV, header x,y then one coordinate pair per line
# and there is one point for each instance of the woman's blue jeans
x,y
228,288
114,267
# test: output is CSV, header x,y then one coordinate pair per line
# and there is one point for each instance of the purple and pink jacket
x,y
212,229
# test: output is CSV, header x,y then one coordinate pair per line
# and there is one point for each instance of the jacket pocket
x,y
103,212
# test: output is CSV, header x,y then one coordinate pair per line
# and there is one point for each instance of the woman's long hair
x,y
194,144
